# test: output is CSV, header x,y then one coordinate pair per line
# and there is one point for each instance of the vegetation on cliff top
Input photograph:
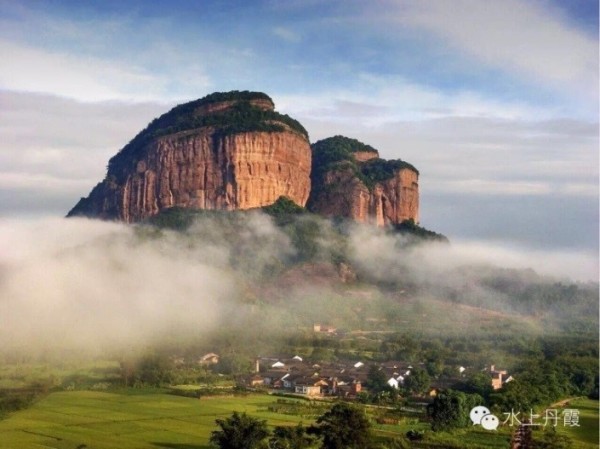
x,y
284,212
343,144
284,206
241,117
411,228
312,237
337,153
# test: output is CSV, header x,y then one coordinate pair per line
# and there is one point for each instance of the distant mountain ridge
x,y
233,151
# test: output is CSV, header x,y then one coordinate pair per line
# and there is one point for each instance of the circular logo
x,y
490,422
477,413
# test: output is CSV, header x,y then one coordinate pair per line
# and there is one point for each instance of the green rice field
x,y
586,435
98,420
140,419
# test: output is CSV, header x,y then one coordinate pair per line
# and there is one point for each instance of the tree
x,y
234,363
240,431
286,437
344,426
515,395
434,367
154,370
376,379
478,383
418,381
448,411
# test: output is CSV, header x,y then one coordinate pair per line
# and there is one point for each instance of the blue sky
x,y
495,102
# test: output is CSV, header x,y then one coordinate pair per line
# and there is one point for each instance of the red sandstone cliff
x,y
392,201
205,167
231,151
351,181
240,171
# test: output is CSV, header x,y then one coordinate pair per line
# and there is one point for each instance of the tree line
x,y
344,426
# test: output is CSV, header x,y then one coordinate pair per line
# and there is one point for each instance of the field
x,y
97,420
152,419
585,436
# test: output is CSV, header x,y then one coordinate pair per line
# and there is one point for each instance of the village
x,y
347,378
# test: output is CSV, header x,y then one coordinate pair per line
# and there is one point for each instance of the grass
x,y
470,438
586,436
102,420
77,374
141,419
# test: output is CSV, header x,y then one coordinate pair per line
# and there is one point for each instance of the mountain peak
x,y
233,150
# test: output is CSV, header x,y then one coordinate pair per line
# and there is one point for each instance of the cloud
x,y
97,286
514,35
582,189
565,264
286,34
507,187
34,70
565,222
97,55
378,254
483,186
64,145
83,77
492,175
29,181
376,100
494,148
73,283
54,150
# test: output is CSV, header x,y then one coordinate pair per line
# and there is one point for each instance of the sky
x,y
496,103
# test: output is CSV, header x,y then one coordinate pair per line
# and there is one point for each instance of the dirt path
x,y
562,403
521,438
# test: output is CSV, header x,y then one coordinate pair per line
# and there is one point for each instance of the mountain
x,y
233,151
350,180
226,151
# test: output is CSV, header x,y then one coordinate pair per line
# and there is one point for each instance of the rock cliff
x,y
350,180
232,151
226,151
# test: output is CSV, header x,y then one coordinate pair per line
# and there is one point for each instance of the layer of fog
x,y
91,284
375,252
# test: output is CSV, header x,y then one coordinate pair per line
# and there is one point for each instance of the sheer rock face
x,y
240,171
397,199
202,168
342,194
231,151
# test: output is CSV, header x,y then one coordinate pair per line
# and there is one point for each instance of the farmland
x,y
584,436
126,419
147,418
